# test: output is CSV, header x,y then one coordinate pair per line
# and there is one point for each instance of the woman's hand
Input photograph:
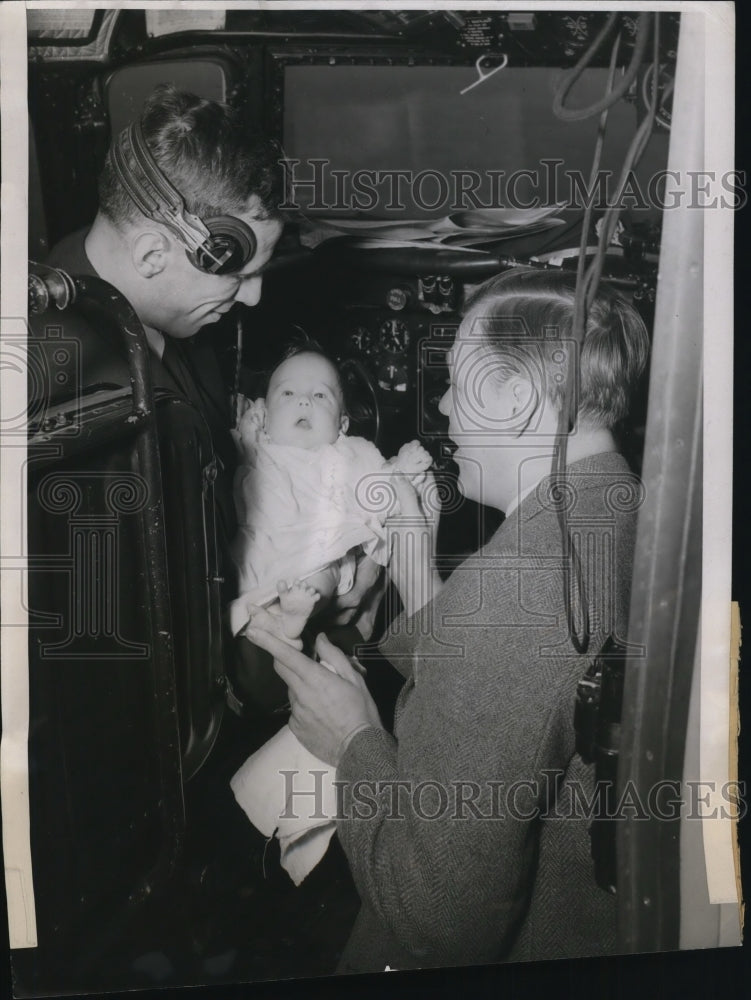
x,y
414,534
328,705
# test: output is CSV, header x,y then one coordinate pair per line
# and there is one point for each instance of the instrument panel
x,y
399,327
386,328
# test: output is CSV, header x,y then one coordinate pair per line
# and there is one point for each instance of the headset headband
x,y
229,241
164,203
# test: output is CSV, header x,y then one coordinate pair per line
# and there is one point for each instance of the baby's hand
x,y
250,425
412,459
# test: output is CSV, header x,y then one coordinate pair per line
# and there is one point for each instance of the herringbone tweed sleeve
x,y
444,824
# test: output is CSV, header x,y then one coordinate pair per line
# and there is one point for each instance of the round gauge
x,y
393,377
393,336
361,340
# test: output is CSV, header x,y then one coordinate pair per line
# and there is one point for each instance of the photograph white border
x,y
716,748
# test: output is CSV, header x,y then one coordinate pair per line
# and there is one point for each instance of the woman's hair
x,y
206,151
525,318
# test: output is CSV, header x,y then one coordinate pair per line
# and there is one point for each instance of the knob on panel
x,y
397,298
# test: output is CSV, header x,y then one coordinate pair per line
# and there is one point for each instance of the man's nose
x,y
249,291
303,399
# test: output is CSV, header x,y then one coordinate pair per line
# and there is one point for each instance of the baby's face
x,y
304,403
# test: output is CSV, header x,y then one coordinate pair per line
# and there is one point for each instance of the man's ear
x,y
149,253
344,423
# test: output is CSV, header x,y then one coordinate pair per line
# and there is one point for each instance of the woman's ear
x,y
524,395
523,402
344,423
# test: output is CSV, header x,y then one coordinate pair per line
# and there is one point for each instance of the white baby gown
x,y
299,510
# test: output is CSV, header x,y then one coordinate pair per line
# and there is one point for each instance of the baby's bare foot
x,y
296,602
270,620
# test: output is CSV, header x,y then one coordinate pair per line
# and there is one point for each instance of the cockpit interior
x,y
424,151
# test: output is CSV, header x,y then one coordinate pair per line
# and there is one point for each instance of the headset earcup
x,y
231,242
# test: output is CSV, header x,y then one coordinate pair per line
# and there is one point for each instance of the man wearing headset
x,y
188,219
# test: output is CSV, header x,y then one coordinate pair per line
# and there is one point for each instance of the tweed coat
x,y
467,831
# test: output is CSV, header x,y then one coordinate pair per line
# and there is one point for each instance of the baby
x,y
302,496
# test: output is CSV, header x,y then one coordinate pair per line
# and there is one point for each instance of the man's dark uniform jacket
x,y
190,369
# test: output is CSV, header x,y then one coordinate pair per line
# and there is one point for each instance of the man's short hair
x,y
524,317
208,153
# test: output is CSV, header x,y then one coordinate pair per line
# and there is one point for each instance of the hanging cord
x,y
631,159
567,414
586,288
611,95
236,377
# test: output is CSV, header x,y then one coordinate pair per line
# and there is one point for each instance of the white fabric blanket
x,y
285,790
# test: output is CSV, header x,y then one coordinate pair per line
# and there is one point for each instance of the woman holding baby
x,y
461,828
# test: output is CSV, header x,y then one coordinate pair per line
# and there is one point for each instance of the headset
x,y
223,244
